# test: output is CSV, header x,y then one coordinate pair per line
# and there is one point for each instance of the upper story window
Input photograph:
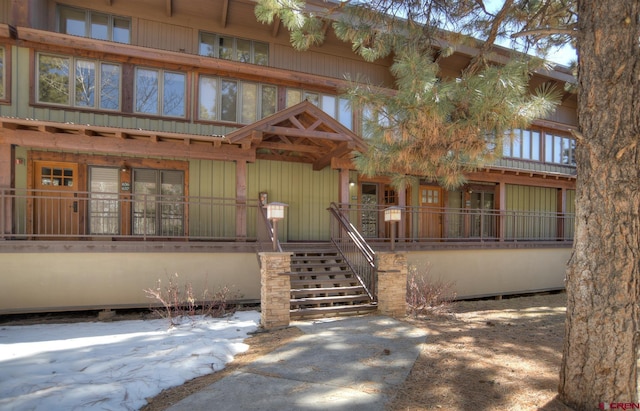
x,y
160,92
338,108
3,74
78,82
221,99
87,23
231,48
525,144
537,146
559,149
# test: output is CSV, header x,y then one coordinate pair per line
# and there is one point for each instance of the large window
x,y
539,146
235,101
231,48
78,82
338,108
160,92
87,23
158,207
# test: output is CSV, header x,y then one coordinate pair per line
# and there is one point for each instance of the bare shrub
x,y
427,295
175,301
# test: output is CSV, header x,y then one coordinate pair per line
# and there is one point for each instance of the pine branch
x,y
569,30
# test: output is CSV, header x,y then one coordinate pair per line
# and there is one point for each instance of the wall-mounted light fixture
x,y
393,215
275,213
352,183
124,168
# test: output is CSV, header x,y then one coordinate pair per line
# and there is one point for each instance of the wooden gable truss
x,y
302,133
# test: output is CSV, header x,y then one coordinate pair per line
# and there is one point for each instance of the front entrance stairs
x,y
323,284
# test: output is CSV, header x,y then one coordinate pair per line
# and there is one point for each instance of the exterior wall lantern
x,y
393,215
275,213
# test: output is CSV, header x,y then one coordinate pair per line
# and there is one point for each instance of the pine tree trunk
x,y
602,335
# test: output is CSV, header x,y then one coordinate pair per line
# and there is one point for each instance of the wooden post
x,y
6,183
343,194
241,199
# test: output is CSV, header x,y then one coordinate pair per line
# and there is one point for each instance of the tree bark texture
x,y
601,347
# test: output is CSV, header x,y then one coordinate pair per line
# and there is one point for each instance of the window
x,y
3,75
59,75
104,207
234,101
524,144
231,48
160,92
87,23
559,150
158,207
338,108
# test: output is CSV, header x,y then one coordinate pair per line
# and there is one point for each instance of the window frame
x,y
259,100
234,49
160,93
88,23
5,74
547,147
72,101
318,99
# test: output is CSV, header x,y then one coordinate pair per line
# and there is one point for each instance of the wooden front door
x,y
56,207
430,212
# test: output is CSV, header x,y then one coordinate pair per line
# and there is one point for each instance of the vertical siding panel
x,y
307,192
165,36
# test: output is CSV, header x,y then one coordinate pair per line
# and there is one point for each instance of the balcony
x,y
77,216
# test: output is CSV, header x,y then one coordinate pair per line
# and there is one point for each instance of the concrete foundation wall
x,y
36,282
59,281
478,273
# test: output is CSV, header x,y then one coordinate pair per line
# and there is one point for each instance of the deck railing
x,y
79,215
436,224
355,250
266,233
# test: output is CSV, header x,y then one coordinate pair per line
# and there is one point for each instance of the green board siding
x,y
569,223
308,194
212,189
534,216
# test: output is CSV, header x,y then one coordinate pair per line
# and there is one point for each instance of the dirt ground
x,y
479,355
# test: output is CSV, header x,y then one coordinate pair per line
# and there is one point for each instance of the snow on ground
x,y
112,365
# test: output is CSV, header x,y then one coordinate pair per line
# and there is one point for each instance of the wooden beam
x,y
339,151
284,131
168,8
288,147
62,43
79,142
342,164
276,27
225,13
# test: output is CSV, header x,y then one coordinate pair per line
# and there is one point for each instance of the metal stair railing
x,y
357,253
265,232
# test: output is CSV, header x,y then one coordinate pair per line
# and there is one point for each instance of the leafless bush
x,y
426,295
174,301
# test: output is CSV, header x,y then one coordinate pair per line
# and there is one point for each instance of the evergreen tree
x,y
439,127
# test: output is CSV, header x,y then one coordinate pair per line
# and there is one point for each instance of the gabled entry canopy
x,y
302,133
